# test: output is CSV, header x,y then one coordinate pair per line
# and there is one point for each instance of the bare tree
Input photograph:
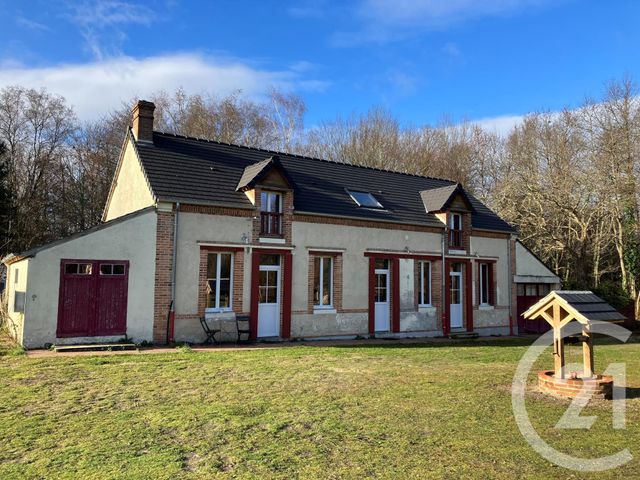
x,y
36,128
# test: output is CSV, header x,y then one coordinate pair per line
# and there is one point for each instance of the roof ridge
x,y
305,157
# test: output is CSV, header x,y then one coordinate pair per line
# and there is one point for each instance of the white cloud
x,y
101,23
97,87
388,20
31,24
501,125
438,12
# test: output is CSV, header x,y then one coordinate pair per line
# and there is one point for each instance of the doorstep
x,y
94,347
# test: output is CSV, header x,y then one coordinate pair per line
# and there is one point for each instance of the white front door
x,y
269,301
455,306
382,300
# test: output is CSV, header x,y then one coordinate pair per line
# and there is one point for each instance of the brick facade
x,y
436,290
164,252
163,275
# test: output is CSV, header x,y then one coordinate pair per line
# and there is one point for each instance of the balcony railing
x,y
455,238
271,224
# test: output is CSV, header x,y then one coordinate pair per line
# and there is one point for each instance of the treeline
x,y
568,181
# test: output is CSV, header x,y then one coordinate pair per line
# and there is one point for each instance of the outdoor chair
x,y
210,332
242,326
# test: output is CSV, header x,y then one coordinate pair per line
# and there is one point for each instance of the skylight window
x,y
364,199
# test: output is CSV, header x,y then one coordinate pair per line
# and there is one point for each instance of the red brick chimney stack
x,y
142,120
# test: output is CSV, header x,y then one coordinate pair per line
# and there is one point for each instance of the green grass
x,y
428,411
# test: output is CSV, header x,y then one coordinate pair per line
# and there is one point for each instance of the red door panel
x,y
530,326
93,298
77,307
111,304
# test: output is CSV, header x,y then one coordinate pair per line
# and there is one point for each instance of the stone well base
x,y
601,386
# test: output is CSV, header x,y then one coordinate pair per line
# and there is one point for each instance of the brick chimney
x,y
142,120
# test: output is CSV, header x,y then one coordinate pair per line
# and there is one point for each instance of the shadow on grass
x,y
629,393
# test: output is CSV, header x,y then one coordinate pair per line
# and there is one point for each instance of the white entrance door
x,y
455,307
269,301
382,300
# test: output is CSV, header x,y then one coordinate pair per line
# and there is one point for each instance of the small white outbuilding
x,y
95,286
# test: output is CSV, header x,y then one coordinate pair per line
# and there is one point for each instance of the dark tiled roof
x,y
590,305
438,199
195,170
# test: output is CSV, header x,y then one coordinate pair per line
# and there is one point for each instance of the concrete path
x,y
264,345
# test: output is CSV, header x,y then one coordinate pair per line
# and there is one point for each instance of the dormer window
x,y
271,214
455,230
364,199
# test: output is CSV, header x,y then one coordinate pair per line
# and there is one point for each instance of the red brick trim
x,y
466,231
487,234
323,253
287,213
163,275
492,282
217,210
286,296
363,223
395,295
253,316
599,387
238,277
468,305
414,256
436,290
372,297
337,279
286,276
468,272
213,248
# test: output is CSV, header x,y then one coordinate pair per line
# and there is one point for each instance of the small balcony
x,y
455,238
271,224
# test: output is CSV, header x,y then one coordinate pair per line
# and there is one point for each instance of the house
x,y
306,248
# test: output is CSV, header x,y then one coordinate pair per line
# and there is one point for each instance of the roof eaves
x,y
204,203
11,258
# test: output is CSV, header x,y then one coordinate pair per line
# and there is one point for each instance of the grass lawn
x,y
427,411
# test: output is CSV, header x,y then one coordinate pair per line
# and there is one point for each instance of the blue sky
x,y
489,60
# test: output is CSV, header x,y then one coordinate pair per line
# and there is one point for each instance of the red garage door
x,y
528,295
93,298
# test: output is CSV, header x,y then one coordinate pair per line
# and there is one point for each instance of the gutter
x,y
172,306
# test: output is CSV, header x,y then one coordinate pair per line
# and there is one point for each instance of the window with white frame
x,y
219,281
323,282
425,284
485,284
